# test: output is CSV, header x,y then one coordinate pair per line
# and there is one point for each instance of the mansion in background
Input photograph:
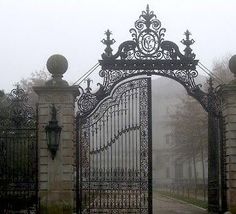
x,y
170,168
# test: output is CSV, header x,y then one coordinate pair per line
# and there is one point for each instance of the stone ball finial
x,y
57,65
232,65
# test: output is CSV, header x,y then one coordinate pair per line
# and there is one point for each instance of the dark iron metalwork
x,y
146,55
217,197
18,156
187,42
213,154
223,183
115,161
17,112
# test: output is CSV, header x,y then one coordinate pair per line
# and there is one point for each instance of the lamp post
x,y
53,132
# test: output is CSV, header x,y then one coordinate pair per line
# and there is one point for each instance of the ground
x,y
166,205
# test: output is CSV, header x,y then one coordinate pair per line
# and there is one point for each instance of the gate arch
x,y
148,54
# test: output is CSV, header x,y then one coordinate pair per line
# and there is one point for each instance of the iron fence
x,y
186,190
18,170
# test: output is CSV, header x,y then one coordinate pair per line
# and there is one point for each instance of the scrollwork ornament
x,y
193,73
112,179
148,43
148,36
18,113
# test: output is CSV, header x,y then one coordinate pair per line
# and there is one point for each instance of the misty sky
x,y
32,30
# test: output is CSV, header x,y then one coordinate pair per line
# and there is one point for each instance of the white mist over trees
x,y
37,78
180,131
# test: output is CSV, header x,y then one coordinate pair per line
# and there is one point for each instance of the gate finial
x,y
108,42
232,65
187,42
147,8
88,89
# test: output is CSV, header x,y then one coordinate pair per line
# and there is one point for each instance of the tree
x,y
3,108
221,70
37,78
189,131
189,122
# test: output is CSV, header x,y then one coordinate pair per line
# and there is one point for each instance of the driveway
x,y
166,205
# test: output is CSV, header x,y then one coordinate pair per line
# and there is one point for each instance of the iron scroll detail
x,y
146,54
148,42
115,152
18,113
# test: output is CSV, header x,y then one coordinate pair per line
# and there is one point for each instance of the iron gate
x,y
115,158
18,155
147,54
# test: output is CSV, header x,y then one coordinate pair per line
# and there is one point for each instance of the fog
x,y
33,30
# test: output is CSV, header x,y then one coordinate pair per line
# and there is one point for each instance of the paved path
x,y
166,205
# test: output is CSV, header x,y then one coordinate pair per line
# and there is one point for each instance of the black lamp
x,y
53,132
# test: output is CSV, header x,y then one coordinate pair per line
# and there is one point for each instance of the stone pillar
x,y
228,93
57,176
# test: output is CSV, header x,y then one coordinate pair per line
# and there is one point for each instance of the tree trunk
x,y
195,170
203,171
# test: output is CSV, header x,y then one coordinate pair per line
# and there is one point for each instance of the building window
x,y
190,172
168,139
179,172
167,172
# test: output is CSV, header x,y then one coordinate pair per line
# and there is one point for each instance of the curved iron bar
x,y
93,101
115,138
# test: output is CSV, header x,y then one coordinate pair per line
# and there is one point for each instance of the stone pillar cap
x,y
232,65
57,65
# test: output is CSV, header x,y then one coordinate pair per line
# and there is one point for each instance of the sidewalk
x,y
166,205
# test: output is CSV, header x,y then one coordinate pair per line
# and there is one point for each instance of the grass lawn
x,y
197,202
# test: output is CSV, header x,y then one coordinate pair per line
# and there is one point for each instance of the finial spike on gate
x,y
187,42
108,42
147,8
88,89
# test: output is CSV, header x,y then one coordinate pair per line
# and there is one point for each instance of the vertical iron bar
x,y
213,163
111,144
118,147
107,150
36,161
133,141
100,167
222,163
139,140
129,141
96,152
104,149
125,137
88,191
122,136
149,95
78,167
136,116
28,161
114,142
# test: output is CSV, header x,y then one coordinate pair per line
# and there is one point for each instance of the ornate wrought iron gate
x,y
146,54
18,155
115,152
